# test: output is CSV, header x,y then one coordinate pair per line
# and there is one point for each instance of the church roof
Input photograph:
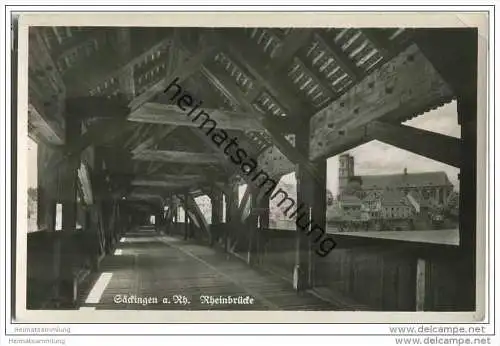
x,y
384,181
393,198
346,199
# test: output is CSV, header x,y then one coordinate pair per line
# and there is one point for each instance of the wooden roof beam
x,y
161,183
126,76
435,146
382,44
288,47
402,88
158,113
181,177
158,136
85,82
41,128
182,72
341,58
229,167
191,206
265,76
272,128
177,157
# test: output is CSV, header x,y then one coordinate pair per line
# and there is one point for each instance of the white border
x,y
213,328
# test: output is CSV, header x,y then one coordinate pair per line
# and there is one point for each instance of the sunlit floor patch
x,y
118,252
95,294
87,308
122,240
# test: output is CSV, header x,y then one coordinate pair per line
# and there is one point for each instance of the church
x,y
433,187
401,199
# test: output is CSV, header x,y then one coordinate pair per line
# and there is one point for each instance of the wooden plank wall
x,y
382,277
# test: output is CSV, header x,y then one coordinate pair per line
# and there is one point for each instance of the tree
x,y
451,205
354,187
32,208
329,197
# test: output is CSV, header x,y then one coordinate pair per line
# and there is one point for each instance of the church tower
x,y
346,170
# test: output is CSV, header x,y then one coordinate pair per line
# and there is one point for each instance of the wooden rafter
x,y
341,58
162,183
265,75
158,135
158,113
288,47
40,127
137,134
408,85
432,145
177,157
383,45
88,81
126,76
192,206
274,130
182,72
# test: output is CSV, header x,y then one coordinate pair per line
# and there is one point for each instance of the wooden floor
x,y
147,265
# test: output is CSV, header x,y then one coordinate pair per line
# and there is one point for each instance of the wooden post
x,y
176,208
459,68
318,214
305,196
217,206
420,285
231,214
68,199
264,215
251,229
467,202
264,212
170,222
186,217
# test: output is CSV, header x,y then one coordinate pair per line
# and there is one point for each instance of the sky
x,y
379,158
32,163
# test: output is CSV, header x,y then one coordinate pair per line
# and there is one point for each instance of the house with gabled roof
x,y
431,186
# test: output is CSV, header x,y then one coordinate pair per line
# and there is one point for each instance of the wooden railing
x,y
379,274
56,262
386,275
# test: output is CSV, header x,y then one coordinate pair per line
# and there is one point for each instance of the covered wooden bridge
x,y
133,122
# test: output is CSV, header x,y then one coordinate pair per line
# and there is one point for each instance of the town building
x,y
391,201
432,186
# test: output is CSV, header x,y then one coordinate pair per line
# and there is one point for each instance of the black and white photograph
x,y
249,168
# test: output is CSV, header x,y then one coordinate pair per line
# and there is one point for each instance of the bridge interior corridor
x,y
149,270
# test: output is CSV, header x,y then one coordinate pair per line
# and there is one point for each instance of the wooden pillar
x,y
68,199
217,206
170,222
186,217
318,214
420,295
264,212
252,230
467,204
231,214
264,215
454,54
175,212
47,181
70,176
302,278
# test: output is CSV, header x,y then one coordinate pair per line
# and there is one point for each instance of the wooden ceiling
x,y
261,84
